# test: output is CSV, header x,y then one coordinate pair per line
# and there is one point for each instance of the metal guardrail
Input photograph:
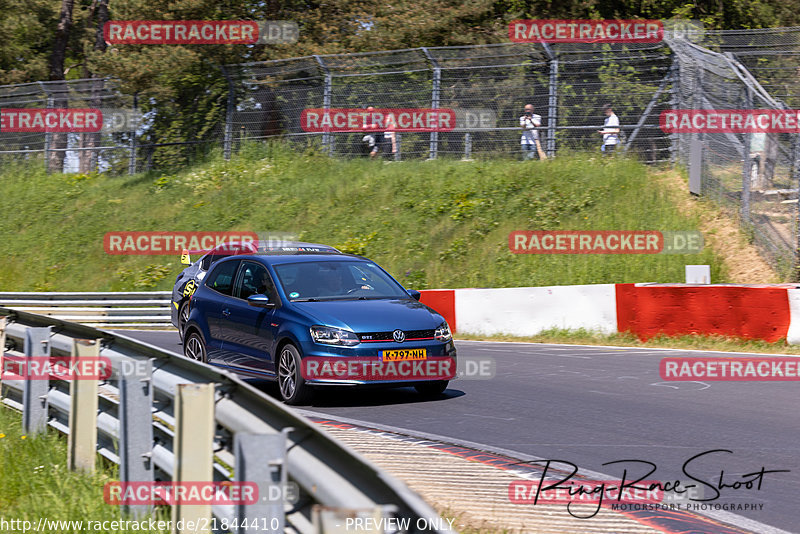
x,y
138,419
133,309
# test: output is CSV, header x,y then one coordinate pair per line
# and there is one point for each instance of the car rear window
x,y
221,278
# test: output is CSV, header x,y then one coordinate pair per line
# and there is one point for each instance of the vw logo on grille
x,y
399,336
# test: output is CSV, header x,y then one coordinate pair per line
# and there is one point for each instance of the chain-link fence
x,y
50,138
753,174
567,84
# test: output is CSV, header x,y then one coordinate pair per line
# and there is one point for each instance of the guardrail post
x,y
193,448
34,390
261,458
136,429
82,437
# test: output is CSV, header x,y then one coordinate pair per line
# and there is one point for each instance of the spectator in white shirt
x,y
530,136
610,130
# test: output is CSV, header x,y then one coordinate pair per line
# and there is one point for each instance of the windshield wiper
x,y
312,299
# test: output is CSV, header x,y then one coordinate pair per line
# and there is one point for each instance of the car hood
x,y
371,315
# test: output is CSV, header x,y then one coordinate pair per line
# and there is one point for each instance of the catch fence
x,y
753,175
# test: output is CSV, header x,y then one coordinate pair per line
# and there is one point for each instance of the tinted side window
x,y
221,278
254,279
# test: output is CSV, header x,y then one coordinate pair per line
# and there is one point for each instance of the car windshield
x,y
328,280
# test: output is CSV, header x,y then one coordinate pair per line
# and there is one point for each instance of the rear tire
x,y
195,349
432,389
291,384
183,318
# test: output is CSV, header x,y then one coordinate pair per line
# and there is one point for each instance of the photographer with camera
x,y
530,135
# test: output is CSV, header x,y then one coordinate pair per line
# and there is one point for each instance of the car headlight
x,y
334,336
443,332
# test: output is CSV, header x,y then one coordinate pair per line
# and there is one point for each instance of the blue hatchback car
x,y
311,319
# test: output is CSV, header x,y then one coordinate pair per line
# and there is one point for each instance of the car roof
x,y
275,258
273,247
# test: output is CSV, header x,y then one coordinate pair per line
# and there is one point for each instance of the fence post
x,y
695,165
673,104
261,458
437,82
193,448
3,323
82,437
399,137
228,138
467,147
136,429
327,89
796,180
48,137
745,208
34,389
552,100
132,156
552,108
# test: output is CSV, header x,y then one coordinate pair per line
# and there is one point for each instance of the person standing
x,y
371,125
390,135
610,131
530,135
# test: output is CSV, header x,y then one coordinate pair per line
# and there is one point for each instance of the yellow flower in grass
x,y
23,437
2,436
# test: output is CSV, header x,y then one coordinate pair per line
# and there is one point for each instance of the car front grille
x,y
411,335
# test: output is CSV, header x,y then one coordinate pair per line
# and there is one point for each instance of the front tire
x,y
433,388
195,349
291,383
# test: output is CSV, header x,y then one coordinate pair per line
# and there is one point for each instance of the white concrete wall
x,y
526,311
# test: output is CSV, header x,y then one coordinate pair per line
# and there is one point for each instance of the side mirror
x,y
185,258
260,301
416,295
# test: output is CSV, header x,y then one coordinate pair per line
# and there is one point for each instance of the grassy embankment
x,y
35,484
431,224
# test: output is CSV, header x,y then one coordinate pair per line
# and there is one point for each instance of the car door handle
x,y
226,312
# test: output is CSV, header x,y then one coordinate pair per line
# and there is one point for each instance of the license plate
x,y
404,354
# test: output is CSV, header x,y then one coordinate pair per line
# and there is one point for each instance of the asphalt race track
x,y
592,405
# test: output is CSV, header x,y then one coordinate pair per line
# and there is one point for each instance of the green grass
x,y
432,224
626,339
35,483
